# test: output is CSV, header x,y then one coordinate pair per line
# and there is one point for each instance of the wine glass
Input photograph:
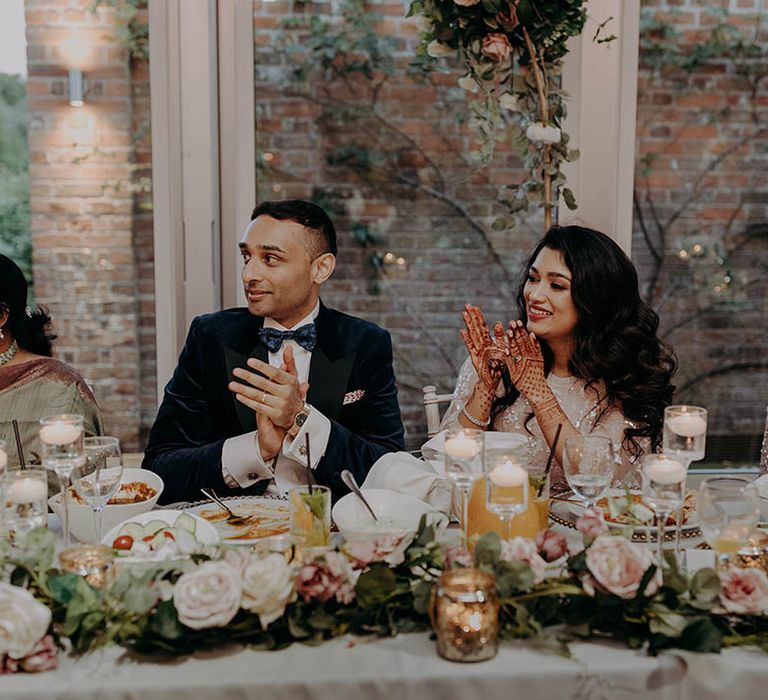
x,y
98,478
3,469
61,437
663,491
506,488
685,440
728,509
464,465
588,463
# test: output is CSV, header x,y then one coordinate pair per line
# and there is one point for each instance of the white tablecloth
x,y
402,668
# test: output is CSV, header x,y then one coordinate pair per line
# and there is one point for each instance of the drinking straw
x,y
309,467
550,458
19,448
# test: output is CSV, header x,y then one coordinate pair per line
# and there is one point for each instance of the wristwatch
x,y
298,420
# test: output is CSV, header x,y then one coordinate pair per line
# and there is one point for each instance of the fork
x,y
231,517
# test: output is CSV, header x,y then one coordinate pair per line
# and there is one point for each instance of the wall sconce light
x,y
76,87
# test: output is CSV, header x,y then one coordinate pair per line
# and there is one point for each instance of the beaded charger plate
x,y
262,516
567,512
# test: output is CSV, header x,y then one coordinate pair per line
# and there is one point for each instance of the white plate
x,y
271,517
205,533
494,440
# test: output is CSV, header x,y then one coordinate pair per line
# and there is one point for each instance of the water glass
x,y
464,465
506,488
664,491
588,463
61,437
99,477
310,515
728,511
3,469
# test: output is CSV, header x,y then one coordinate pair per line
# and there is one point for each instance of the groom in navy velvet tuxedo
x,y
252,384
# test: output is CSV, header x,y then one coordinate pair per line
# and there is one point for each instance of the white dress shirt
x,y
241,461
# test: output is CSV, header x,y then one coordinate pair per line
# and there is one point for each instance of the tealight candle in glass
x,y
92,561
464,466
506,489
464,610
664,491
61,437
26,501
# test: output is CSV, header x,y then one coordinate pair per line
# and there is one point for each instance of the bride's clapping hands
x,y
487,353
525,363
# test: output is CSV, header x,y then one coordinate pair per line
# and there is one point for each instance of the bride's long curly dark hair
x,y
615,339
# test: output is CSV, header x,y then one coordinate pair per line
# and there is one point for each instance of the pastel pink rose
x,y
456,557
466,3
44,657
523,549
551,545
389,549
496,47
744,591
330,577
617,566
591,523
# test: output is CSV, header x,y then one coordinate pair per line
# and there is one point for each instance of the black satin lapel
x,y
328,380
235,359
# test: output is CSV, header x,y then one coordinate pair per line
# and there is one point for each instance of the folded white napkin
x,y
404,473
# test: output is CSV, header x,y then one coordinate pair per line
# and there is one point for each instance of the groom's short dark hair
x,y
309,215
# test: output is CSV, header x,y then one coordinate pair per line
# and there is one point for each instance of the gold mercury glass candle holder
x,y
464,609
92,561
753,555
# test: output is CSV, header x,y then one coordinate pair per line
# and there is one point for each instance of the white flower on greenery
x,y
208,596
468,83
437,49
509,101
545,134
23,621
617,566
523,549
268,586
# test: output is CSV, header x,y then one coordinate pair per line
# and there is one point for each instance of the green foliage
x,y
15,240
131,29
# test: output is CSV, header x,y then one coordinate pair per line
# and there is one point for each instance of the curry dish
x,y
131,492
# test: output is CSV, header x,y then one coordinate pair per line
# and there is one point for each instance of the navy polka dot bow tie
x,y
306,336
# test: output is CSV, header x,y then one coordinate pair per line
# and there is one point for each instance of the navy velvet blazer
x,y
199,413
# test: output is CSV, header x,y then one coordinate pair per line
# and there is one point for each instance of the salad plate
x,y
259,517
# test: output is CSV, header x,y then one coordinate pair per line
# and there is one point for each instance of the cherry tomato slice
x,y
123,542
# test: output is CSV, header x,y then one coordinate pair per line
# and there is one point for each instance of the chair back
x,y
432,401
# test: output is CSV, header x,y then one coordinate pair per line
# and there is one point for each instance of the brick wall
x,y
86,220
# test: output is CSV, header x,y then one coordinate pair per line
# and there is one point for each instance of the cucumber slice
x,y
186,541
154,526
186,522
132,530
160,538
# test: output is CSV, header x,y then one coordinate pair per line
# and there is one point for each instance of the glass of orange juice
x,y
539,484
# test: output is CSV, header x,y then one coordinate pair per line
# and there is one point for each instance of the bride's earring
x,y
2,335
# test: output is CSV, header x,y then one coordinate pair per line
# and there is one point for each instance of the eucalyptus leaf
x,y
375,586
705,586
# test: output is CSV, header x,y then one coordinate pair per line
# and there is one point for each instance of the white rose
x,y
436,49
23,621
617,566
208,596
509,101
523,549
267,587
540,132
468,83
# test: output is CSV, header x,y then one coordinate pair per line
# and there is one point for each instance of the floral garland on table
x,y
512,52
610,588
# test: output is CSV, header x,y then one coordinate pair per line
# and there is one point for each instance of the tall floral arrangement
x,y
512,52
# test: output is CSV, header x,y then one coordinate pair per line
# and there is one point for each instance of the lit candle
x,y
688,425
665,471
508,474
26,491
60,433
3,459
461,446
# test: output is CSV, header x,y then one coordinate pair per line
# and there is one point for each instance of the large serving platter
x,y
567,511
267,516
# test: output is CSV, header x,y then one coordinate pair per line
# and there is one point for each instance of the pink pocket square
x,y
352,396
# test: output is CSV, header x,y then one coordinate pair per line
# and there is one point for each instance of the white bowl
x,y
398,514
81,523
205,533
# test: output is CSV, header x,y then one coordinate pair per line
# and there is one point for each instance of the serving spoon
x,y
348,478
232,519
